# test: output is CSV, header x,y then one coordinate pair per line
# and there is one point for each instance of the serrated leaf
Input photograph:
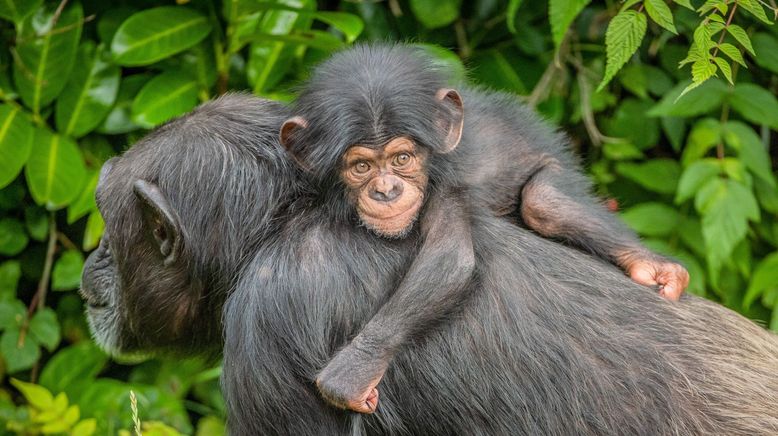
x,y
702,70
562,13
652,219
741,36
90,93
45,55
18,354
13,238
751,150
45,328
435,13
15,143
755,104
767,47
55,170
622,39
153,34
694,177
704,99
67,271
765,276
755,9
168,95
733,53
724,68
660,13
513,8
656,175
18,10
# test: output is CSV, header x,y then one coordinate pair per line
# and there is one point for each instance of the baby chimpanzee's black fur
x,y
508,160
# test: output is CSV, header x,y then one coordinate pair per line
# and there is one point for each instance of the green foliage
x,y
672,106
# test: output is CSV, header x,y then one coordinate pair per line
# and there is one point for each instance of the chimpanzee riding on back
x,y
388,142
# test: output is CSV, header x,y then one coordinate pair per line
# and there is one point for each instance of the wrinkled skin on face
x,y
386,185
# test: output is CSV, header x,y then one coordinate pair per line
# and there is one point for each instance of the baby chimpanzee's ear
x,y
452,117
289,130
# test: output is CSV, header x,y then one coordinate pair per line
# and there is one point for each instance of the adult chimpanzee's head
x,y
183,208
367,125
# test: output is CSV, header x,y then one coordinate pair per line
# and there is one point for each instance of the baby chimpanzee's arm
x,y
556,203
431,290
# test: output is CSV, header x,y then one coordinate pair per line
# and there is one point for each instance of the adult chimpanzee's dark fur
x,y
551,342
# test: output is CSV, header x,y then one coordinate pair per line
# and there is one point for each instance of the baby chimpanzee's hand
x,y
672,278
351,378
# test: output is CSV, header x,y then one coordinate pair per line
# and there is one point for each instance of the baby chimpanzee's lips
x,y
412,208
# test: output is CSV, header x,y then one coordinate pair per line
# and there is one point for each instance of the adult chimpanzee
x,y
551,342
378,130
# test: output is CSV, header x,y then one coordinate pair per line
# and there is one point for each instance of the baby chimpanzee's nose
x,y
386,190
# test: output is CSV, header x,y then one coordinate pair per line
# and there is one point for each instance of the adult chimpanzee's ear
x,y
454,117
288,130
161,219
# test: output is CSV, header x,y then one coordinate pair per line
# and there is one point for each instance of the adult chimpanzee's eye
x,y
402,159
361,167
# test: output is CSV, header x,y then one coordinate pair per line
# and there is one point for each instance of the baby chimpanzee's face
x,y
386,185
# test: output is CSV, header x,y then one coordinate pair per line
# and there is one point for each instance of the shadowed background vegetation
x,y
671,105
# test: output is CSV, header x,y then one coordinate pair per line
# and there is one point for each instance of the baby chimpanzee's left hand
x,y
671,277
351,378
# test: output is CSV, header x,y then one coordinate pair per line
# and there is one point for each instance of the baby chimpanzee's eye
x,y
402,159
361,167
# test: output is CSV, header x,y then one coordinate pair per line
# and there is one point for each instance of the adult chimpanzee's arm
x,y
434,286
556,203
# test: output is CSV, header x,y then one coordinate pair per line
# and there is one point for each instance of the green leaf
x,y
726,207
755,104
660,13
154,34
55,170
18,10
45,328
86,427
73,365
752,152
19,354
12,313
562,13
684,3
36,395
90,93
733,53
94,230
119,120
45,55
492,68
622,39
656,175
755,8
741,36
350,24
629,121
675,131
621,151
13,239
705,135
110,20
445,59
67,271
37,222
435,13
15,143
725,68
10,272
765,276
85,203
513,8
652,219
694,177
767,47
703,99
210,426
168,95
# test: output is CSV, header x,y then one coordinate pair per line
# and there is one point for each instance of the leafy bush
x,y
670,104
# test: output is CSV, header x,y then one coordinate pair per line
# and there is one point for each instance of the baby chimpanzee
x,y
386,141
